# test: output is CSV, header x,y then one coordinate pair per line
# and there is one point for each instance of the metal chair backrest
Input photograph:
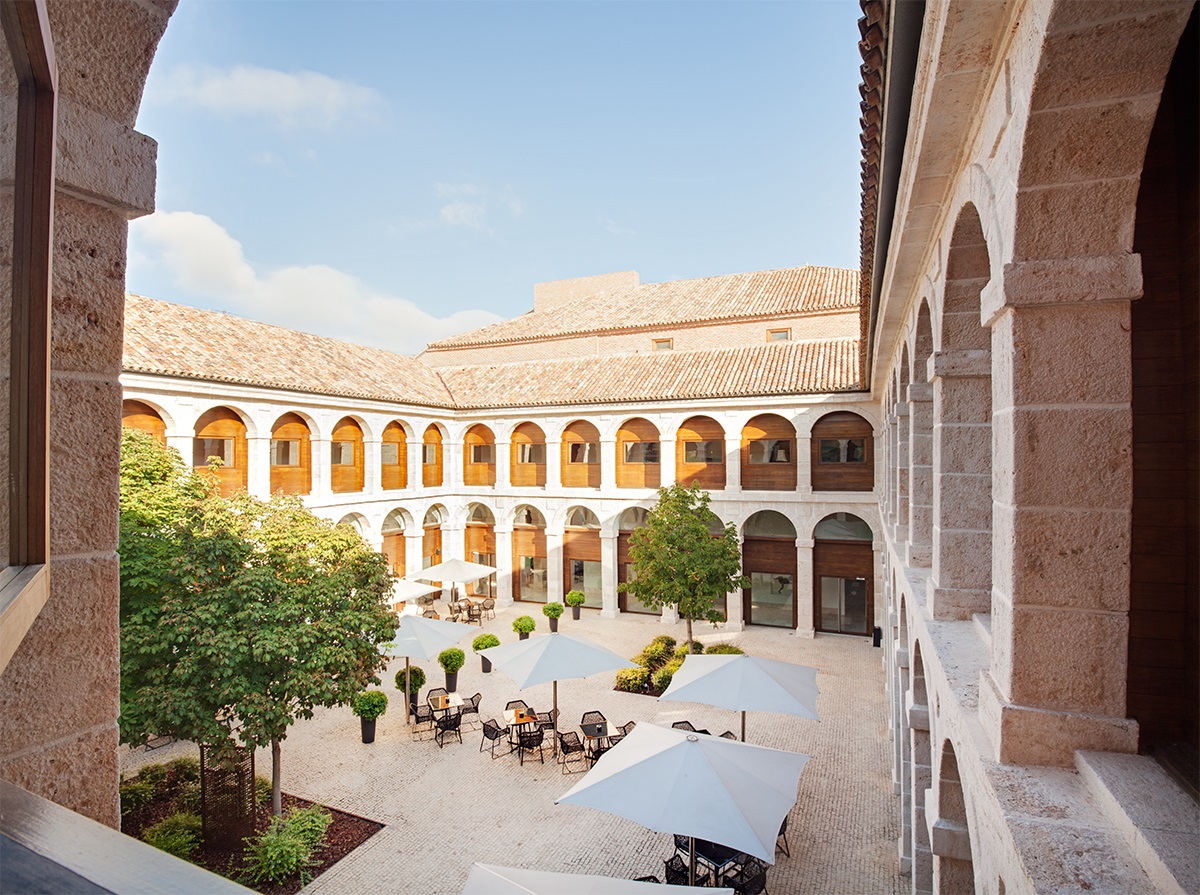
x,y
593,718
684,725
436,694
570,742
517,705
529,738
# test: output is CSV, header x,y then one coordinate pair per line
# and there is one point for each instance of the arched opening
x,y
431,542
346,460
394,525
638,460
479,545
141,416
528,456
843,573
581,555
768,454
953,868
920,456
921,774
291,456
356,522
393,457
221,433
902,444
961,565
479,457
630,521
529,555
431,457
581,455
769,561
842,453
1163,691
700,453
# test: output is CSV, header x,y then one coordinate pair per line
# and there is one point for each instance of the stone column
x,y
733,466
920,478
414,544
804,455
554,567
667,469
258,461
413,464
608,463
608,575
371,466
553,465
1061,486
900,528
960,582
889,470
503,464
322,484
504,565
734,610
452,465
802,588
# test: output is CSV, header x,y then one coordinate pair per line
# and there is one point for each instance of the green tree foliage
x,y
239,616
684,557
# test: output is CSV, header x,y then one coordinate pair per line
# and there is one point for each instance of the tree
x,y
249,616
685,557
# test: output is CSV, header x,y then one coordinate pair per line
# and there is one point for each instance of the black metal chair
x,y
489,607
570,748
546,720
627,728
471,707
750,879
527,741
429,613
684,725
516,705
433,695
783,835
647,879
729,735
675,872
422,715
592,718
450,723
493,733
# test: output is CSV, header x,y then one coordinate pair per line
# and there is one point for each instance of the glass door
x,y
844,605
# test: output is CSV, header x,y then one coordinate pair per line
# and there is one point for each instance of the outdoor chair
x,y
729,735
750,879
517,705
627,728
474,614
675,872
592,718
429,613
529,740
492,734
546,720
647,879
783,835
436,693
570,748
489,607
471,706
450,723
684,725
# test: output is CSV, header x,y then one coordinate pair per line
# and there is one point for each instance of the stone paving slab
x,y
446,808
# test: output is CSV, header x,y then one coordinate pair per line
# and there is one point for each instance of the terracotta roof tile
x,y
763,293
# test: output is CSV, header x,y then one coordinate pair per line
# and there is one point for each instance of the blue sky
x,y
394,172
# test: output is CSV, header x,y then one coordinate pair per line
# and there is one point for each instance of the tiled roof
x,y
175,340
775,368
764,293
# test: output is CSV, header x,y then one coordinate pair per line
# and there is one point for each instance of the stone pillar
x,y
452,465
920,477
454,541
905,748
414,545
413,464
322,483
802,588
608,575
735,617
553,465
804,455
258,466
667,475
504,565
608,463
900,527
889,470
733,466
371,466
554,567
503,464
960,582
1061,486
183,444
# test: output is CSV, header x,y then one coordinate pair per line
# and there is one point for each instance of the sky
x,y
392,173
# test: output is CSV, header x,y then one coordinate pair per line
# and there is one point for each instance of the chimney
x,y
561,292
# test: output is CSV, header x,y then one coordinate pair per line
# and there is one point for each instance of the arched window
x,y
431,543
479,457
843,575
141,416
768,454
581,455
700,453
769,561
346,463
581,555
842,453
291,455
529,555
527,455
431,457
479,545
393,540
627,523
638,460
220,433
393,458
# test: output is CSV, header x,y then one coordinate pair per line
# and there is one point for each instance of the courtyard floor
x,y
447,808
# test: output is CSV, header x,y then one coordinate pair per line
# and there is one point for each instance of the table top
x,y
517,717
448,701
595,731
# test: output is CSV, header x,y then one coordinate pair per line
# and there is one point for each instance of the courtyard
x,y
445,808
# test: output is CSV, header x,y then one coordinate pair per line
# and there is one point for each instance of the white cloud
x,y
204,260
302,99
465,214
468,206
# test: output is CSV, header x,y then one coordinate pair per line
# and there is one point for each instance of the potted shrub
x,y
369,705
523,625
451,660
416,680
553,611
482,642
575,599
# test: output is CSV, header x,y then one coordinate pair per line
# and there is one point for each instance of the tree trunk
x,y
688,619
276,789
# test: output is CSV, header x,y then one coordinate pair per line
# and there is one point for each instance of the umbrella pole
x,y
691,861
743,726
556,720
407,702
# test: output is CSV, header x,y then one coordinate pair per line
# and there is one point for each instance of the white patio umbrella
x,y
553,657
488,879
454,571
423,638
746,683
699,786
405,590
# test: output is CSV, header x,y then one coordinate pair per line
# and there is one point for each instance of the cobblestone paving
x,y
445,808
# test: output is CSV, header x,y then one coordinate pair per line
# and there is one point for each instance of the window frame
x,y
662,344
772,448
383,452
339,447
590,455
773,334
275,452
706,443
483,454
525,452
648,447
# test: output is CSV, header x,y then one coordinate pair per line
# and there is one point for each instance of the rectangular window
x,y
285,452
662,344
532,578
584,452
778,335
771,599
843,450
770,450
703,451
531,453
203,448
483,453
585,577
389,454
641,451
429,454
342,453
484,587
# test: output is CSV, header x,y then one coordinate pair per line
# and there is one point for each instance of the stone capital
x,y
964,363
920,393
1039,282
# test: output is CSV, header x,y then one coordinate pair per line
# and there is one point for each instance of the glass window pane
x,y
203,448
482,453
641,451
585,576
285,452
780,452
584,452
429,454
484,587
632,603
831,604
831,450
771,598
854,606
532,570
389,454
856,451
531,453
342,453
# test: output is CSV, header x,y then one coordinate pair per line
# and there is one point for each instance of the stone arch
x,y
222,432
769,560
700,453
953,868
530,555
920,439
433,455
149,417
961,569
921,774
843,575
392,530
357,521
